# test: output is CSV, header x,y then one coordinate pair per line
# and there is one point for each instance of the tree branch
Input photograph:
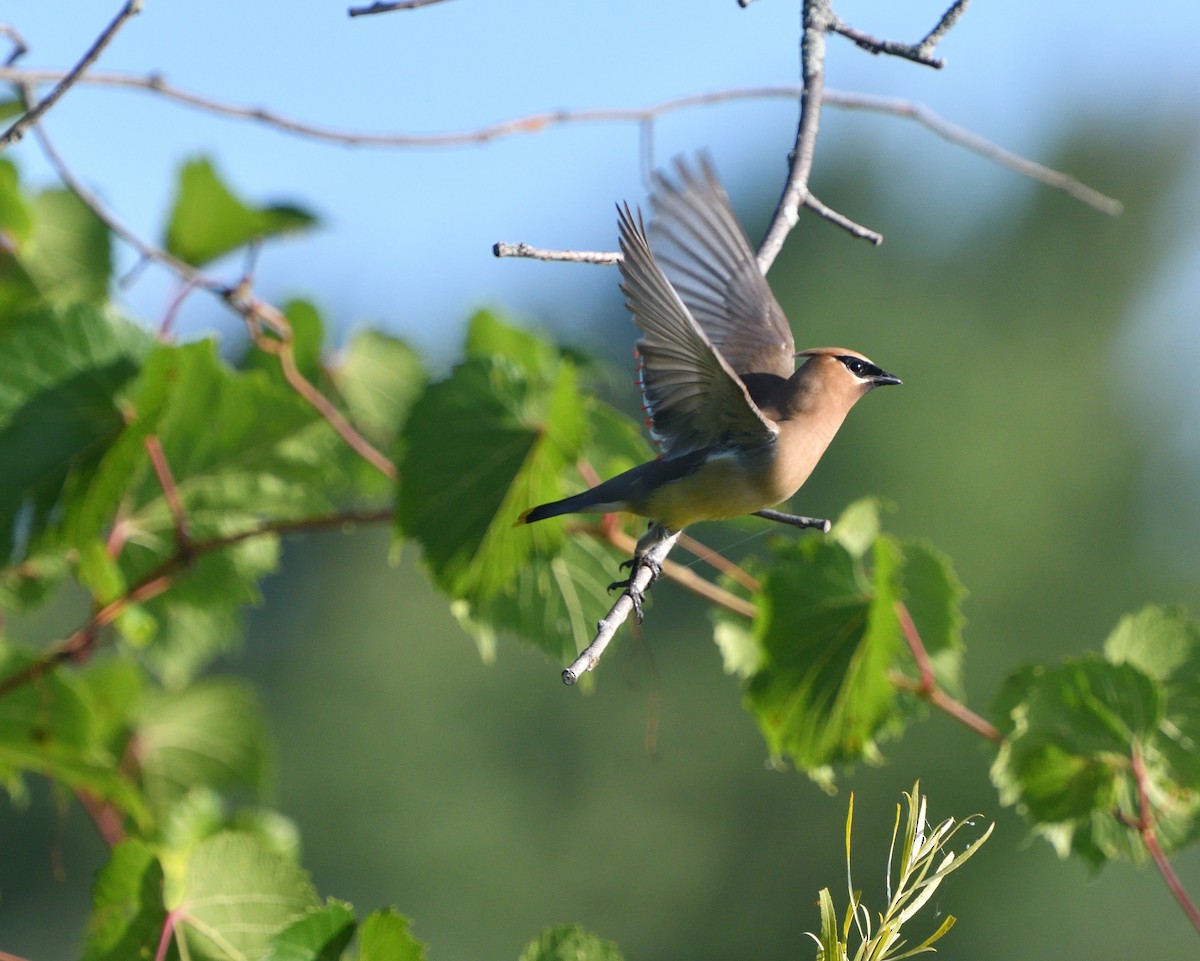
x,y
1145,826
31,116
81,641
388,7
566,256
927,687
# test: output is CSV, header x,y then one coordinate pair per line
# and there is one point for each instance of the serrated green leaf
x,y
479,447
319,935
379,378
210,734
1067,756
489,337
127,906
570,943
739,648
61,373
858,526
385,936
550,603
208,220
237,896
828,635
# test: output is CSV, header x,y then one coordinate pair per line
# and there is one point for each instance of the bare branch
x,y
942,27
817,17
388,7
81,640
645,569
961,137
568,256
872,237
534,123
19,46
23,123
920,52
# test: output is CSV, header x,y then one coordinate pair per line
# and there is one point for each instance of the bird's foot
x,y
636,595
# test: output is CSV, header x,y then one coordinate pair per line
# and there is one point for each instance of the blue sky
x,y
407,234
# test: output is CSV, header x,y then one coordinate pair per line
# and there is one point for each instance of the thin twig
x,y
927,687
1145,825
942,27
388,7
864,41
19,46
259,312
81,641
568,256
166,480
685,577
720,562
640,581
533,123
14,133
872,237
817,17
968,140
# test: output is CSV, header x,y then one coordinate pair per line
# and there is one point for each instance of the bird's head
x,y
837,376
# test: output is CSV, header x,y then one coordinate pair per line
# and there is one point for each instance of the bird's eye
x,y
859,368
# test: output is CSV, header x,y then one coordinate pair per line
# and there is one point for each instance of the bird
x,y
740,427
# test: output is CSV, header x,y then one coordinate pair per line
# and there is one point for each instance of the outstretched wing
x,y
704,253
694,397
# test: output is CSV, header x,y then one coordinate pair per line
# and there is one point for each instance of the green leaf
x,y
237,896
569,943
54,728
934,596
551,603
127,906
385,936
483,445
210,734
61,373
208,220
1165,644
828,636
17,289
320,935
379,378
859,526
69,254
1066,760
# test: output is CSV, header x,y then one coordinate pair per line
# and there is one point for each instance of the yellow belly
x,y
721,489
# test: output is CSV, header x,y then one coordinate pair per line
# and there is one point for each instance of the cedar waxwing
x,y
740,428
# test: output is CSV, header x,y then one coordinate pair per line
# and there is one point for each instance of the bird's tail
x,y
587,501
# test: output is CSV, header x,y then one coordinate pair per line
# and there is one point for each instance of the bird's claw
x,y
637,596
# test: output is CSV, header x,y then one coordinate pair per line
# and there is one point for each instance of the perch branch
x,y
31,116
920,52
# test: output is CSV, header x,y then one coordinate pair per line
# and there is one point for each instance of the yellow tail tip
x,y
523,519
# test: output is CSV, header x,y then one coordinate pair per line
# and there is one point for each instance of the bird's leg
x,y
795,520
641,559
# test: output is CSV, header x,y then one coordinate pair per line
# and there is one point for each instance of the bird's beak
x,y
884,379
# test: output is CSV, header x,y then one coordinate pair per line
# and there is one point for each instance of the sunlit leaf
x,y
570,943
386,936
210,734
237,897
208,220
379,378
319,935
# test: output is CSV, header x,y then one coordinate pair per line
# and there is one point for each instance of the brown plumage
x,y
741,428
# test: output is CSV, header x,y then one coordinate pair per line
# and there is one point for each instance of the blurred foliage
x,y
1025,477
